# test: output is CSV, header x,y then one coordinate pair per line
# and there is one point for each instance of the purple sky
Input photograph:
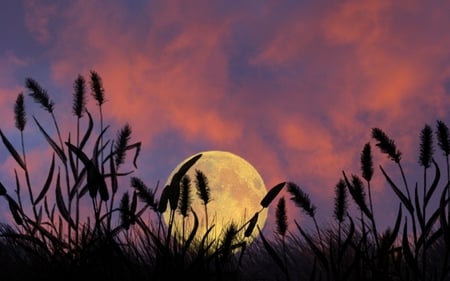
x,y
294,87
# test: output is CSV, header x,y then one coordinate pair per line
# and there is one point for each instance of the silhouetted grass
x,y
121,235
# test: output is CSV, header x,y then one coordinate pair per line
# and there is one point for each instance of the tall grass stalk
x,y
282,226
388,146
203,192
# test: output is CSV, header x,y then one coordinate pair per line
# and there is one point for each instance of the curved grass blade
x,y
396,229
317,252
2,190
47,182
98,150
350,234
50,214
442,216
73,166
88,131
202,249
398,192
52,143
60,203
79,153
164,199
273,192
428,227
136,146
15,210
78,181
97,182
12,151
433,186
17,182
433,238
357,197
112,168
420,217
174,187
192,234
273,254
133,205
407,253
251,225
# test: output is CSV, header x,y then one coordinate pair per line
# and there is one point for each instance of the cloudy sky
x,y
294,87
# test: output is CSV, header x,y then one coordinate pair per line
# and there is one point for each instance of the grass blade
x,y
317,252
47,182
442,216
273,254
396,229
193,232
350,234
433,186
12,151
420,217
15,210
137,147
112,168
60,203
407,253
398,192
2,190
164,199
52,143
88,131
78,181
174,190
358,194
251,225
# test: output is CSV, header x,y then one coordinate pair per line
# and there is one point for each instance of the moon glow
x,y
236,190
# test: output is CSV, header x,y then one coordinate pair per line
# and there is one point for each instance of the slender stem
x,y
57,131
283,240
318,232
206,217
78,145
448,169
77,207
27,178
101,139
413,218
66,172
111,205
424,252
169,230
374,225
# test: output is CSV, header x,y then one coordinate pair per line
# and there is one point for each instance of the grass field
x,y
81,223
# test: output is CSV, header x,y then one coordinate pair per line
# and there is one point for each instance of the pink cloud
x,y
293,90
37,20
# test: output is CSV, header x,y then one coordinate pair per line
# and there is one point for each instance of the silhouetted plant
x,y
203,192
114,241
56,227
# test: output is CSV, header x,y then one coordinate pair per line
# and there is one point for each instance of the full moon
x,y
236,190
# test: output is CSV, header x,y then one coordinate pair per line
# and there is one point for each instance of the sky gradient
x,y
294,87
